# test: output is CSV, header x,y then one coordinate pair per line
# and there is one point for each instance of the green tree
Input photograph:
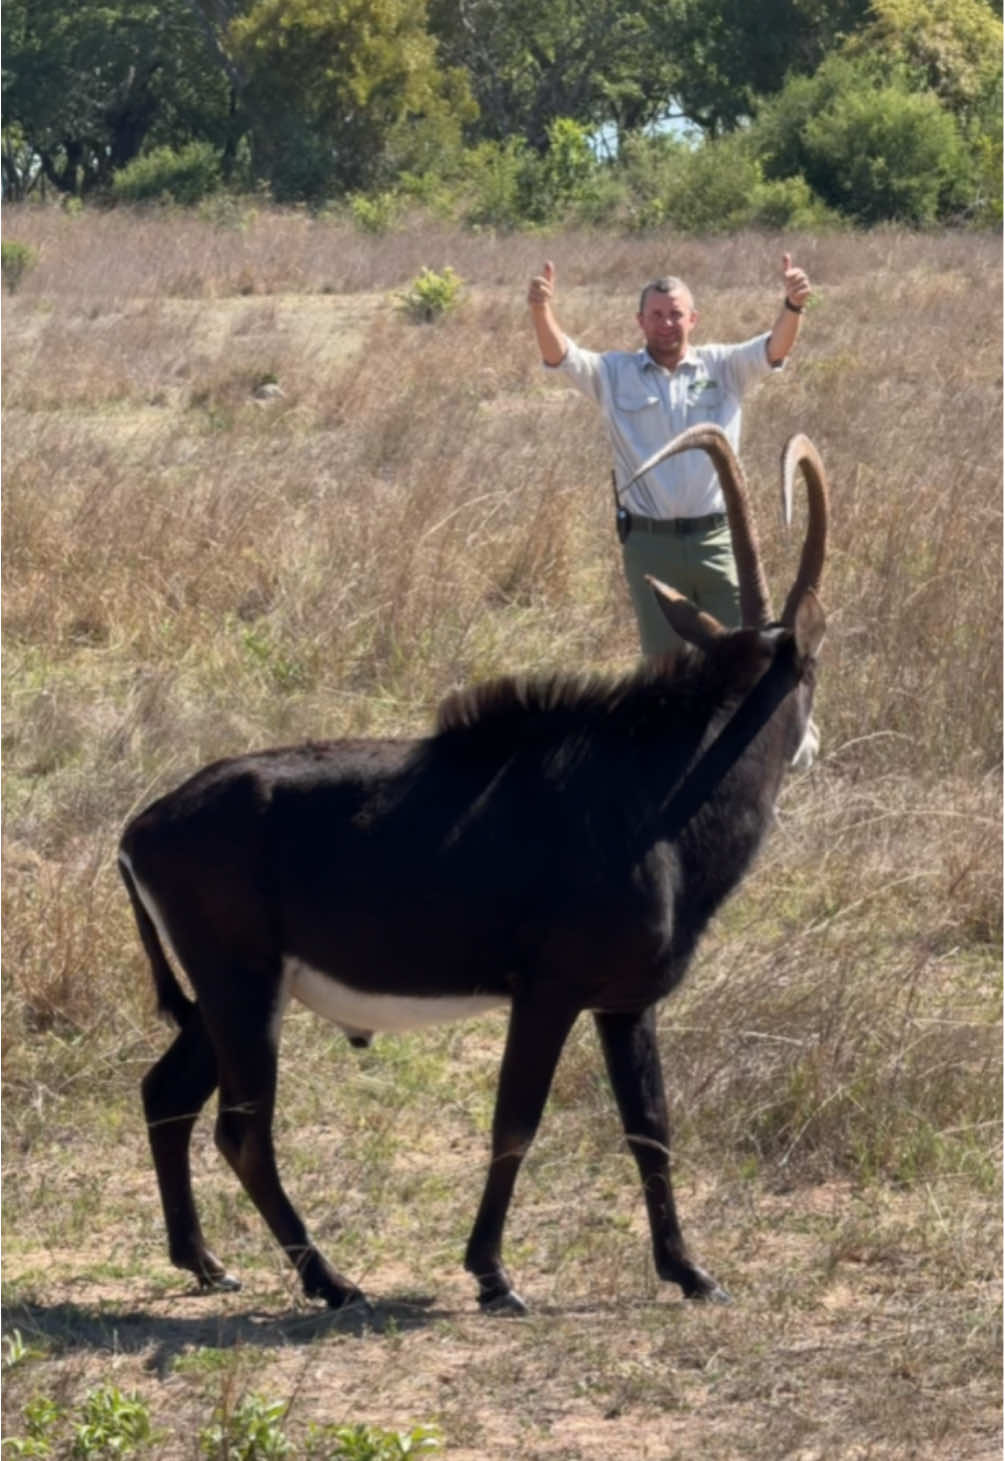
x,y
589,61
86,86
344,94
737,52
952,48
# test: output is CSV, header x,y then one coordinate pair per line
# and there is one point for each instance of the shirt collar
x,y
646,361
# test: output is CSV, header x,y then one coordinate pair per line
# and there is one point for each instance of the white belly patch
x,y
358,1012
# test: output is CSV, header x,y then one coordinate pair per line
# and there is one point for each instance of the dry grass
x,y
189,572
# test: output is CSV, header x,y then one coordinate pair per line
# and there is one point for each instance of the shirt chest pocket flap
x,y
635,402
642,417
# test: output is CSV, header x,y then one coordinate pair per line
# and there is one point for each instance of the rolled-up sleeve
x,y
585,369
744,365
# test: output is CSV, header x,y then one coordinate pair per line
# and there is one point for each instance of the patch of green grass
x,y
362,1442
250,1431
203,1363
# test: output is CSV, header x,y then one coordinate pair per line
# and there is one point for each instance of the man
x,y
673,522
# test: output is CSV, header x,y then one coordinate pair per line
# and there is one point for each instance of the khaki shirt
x,y
645,405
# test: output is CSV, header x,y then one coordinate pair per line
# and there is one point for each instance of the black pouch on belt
x,y
622,517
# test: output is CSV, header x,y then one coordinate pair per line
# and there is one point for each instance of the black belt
x,y
681,526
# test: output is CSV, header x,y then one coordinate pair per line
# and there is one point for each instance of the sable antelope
x,y
554,845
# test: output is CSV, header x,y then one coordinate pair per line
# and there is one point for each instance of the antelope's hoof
x,y
218,1283
347,1301
706,1291
507,1304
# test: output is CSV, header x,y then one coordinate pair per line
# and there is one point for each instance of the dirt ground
x,y
843,1341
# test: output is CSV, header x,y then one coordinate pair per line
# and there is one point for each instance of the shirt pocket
x,y
706,401
642,417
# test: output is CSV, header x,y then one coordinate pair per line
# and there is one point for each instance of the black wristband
x,y
796,309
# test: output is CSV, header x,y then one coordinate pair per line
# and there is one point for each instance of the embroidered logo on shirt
x,y
698,389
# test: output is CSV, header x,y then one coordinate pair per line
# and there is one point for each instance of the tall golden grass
x,y
191,571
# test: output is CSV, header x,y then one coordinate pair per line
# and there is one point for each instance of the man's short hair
x,y
666,284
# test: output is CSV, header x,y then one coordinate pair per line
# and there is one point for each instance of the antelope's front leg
x,y
633,1064
537,1032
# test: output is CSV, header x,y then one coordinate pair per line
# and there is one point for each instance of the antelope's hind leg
x,y
175,1090
248,1062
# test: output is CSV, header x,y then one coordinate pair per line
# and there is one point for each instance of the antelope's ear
x,y
692,624
810,625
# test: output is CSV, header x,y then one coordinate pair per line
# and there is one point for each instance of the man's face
x,y
666,321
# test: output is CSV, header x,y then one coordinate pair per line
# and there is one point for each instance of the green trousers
x,y
698,565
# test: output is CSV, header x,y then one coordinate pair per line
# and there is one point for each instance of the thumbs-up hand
x,y
542,286
797,284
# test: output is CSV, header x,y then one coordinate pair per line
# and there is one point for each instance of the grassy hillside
x,y
192,569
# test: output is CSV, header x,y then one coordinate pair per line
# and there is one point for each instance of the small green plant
x,y
431,295
250,1432
15,261
112,1424
15,1351
375,213
41,1414
370,1443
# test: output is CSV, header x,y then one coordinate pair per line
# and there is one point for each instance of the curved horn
x,y
800,452
755,601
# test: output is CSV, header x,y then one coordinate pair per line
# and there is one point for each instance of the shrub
x,y
563,179
15,261
790,203
184,176
886,154
492,182
705,189
431,295
510,185
867,145
375,213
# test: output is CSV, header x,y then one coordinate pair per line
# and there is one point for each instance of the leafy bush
x,y
866,144
184,176
509,185
375,213
492,183
563,179
790,203
707,189
431,295
15,261
887,154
